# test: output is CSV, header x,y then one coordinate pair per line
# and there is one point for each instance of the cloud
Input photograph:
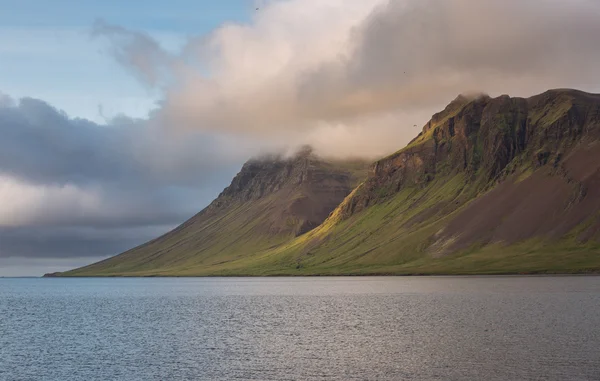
x,y
415,54
137,51
38,250
42,145
19,267
63,178
5,101
71,205
305,64
60,242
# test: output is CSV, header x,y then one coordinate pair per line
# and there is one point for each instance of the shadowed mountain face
x,y
270,201
491,185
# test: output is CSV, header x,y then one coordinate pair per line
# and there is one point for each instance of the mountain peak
x,y
267,174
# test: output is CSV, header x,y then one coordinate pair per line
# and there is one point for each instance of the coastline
x,y
321,275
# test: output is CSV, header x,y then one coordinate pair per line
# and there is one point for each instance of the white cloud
x,y
100,206
25,204
251,73
301,65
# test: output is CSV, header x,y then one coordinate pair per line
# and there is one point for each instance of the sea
x,y
301,328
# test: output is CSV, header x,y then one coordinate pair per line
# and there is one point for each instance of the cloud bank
x,y
70,187
363,71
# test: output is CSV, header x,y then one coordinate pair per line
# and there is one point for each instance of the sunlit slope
x,y
491,186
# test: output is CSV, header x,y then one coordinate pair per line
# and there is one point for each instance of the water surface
x,y
364,328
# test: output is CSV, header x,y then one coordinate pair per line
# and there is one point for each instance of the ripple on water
x,y
432,328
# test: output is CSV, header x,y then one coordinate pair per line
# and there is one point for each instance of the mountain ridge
x,y
488,186
271,200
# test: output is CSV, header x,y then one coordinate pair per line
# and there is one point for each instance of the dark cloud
x,y
5,100
73,188
79,242
43,145
25,266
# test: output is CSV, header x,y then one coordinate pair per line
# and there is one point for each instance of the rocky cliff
x,y
487,140
310,188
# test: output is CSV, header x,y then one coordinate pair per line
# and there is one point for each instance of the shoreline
x,y
578,274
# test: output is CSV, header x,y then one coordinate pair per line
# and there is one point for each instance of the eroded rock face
x,y
487,139
298,193
304,171
262,176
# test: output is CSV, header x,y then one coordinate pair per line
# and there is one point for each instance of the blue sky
x,y
46,50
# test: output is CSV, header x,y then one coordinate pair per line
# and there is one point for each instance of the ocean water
x,y
363,328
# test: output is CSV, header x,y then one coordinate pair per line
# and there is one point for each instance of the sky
x,y
120,121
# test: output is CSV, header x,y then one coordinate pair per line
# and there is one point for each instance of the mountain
x,y
272,200
490,186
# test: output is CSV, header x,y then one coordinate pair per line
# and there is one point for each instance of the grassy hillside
x,y
491,186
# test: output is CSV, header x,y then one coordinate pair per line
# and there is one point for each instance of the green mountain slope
x,y
503,185
269,202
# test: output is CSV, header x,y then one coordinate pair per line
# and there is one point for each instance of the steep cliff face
x,y
485,139
263,176
520,173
